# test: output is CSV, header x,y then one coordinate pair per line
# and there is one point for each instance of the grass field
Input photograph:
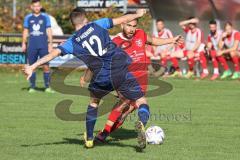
x,y
200,119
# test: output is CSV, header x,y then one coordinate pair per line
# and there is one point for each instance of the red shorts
x,y
196,54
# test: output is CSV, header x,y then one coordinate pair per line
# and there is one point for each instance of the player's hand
x,y
178,40
28,71
24,47
141,12
224,35
82,81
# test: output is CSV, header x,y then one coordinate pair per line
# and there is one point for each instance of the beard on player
x,y
129,29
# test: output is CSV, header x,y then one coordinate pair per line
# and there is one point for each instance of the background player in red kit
x,y
165,50
212,46
229,44
133,41
194,45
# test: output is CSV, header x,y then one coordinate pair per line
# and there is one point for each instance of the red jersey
x,y
135,48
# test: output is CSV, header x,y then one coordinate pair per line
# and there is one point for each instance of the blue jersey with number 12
x,y
93,45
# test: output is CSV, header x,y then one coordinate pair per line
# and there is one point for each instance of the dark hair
x,y
77,15
35,1
213,22
191,17
160,20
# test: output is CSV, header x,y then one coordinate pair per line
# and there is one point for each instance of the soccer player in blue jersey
x,y
92,44
38,34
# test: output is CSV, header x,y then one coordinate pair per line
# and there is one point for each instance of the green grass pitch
x,y
201,120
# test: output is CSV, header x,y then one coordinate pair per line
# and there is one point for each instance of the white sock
x,y
205,71
215,71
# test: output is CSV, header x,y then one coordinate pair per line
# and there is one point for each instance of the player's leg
x,y
236,74
213,55
112,119
127,110
203,62
46,71
191,63
132,91
32,57
143,116
175,64
227,72
164,61
91,119
96,94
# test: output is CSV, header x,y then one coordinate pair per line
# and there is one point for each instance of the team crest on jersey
x,y
40,22
36,30
139,43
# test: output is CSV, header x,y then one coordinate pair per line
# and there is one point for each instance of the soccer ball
x,y
155,135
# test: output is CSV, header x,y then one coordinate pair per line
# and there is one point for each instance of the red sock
x,y
214,59
191,64
175,63
114,115
236,63
223,62
116,125
203,60
164,62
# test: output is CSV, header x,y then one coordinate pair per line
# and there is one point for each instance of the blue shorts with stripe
x,y
126,84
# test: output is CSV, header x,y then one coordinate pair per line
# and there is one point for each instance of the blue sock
x,y
143,113
33,80
91,118
46,77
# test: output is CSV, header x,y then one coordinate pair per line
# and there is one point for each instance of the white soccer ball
x,y
155,135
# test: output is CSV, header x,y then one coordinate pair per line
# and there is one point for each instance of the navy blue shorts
x,y
126,85
34,54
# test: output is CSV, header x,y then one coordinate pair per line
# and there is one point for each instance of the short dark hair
x,y
160,20
77,15
35,1
191,17
213,22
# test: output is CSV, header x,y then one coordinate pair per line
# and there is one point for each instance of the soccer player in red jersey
x,y
165,50
212,47
230,39
133,41
194,46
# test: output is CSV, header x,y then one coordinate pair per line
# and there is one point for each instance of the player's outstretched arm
x,y
28,70
162,41
129,17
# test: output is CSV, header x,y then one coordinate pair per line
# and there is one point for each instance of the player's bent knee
x,y
94,102
233,53
140,101
46,68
